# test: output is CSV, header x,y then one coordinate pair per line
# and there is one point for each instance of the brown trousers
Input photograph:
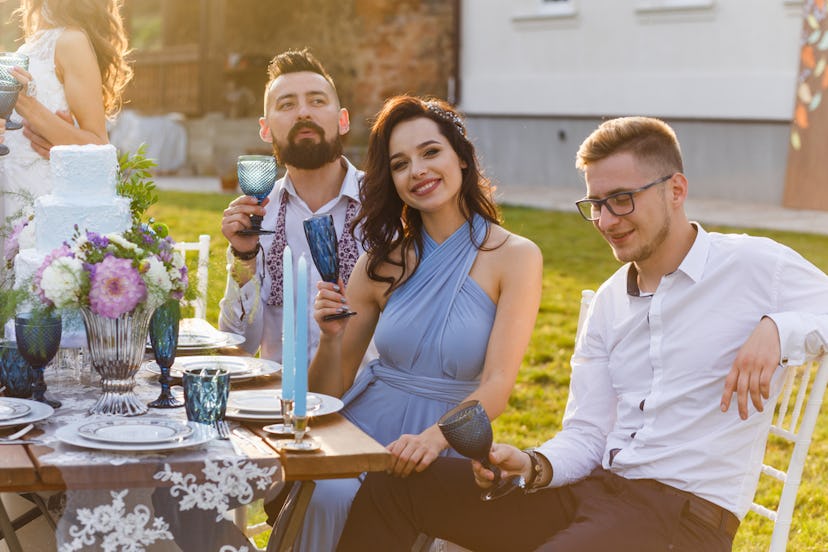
x,y
602,512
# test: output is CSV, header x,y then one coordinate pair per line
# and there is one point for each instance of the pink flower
x,y
12,242
116,287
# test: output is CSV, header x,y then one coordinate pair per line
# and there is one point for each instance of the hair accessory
x,y
449,116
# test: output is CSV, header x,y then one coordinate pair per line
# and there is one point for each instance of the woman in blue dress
x,y
448,296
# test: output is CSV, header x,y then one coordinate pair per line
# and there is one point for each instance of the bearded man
x,y
305,123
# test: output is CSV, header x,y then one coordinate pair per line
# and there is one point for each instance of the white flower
x,y
26,240
156,277
61,281
120,241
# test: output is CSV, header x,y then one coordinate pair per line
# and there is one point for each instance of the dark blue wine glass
x,y
468,430
324,248
38,340
257,176
15,372
163,333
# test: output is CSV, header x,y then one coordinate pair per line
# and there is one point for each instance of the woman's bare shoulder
x,y
510,244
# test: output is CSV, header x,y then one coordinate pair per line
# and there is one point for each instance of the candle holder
x,y
300,427
286,427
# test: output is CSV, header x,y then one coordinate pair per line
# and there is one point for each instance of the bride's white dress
x,y
23,169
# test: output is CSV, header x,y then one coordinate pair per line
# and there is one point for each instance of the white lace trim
x,y
119,530
231,478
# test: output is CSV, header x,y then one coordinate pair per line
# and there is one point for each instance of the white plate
x,y
313,402
37,411
10,410
201,434
146,430
198,335
202,342
262,401
240,368
265,401
327,405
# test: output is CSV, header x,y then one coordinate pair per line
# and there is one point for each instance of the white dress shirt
x,y
648,371
245,310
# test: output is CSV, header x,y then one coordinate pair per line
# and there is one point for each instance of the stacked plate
x,y
240,368
22,411
263,405
196,335
135,435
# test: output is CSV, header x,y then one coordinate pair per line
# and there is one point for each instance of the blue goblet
x,y
468,430
257,175
7,61
163,333
38,340
324,248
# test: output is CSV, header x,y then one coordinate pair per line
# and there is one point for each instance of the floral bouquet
x,y
112,274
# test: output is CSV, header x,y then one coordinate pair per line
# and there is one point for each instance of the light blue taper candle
x,y
301,381
288,330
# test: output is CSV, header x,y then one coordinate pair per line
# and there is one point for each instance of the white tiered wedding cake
x,y
84,180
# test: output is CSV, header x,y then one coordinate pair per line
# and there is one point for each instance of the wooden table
x,y
345,451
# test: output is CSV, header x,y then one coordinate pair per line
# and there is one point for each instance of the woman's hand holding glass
x,y
330,300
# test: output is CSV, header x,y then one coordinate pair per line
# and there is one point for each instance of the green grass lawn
x,y
575,258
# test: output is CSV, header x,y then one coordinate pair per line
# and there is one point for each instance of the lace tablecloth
x,y
179,501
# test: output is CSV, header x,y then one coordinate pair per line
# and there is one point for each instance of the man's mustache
x,y
301,125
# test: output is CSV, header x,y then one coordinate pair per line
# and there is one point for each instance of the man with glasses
x,y
652,454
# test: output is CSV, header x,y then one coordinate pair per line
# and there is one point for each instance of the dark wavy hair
x,y
386,222
295,61
101,21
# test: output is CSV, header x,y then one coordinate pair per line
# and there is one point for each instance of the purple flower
x,y
116,287
97,240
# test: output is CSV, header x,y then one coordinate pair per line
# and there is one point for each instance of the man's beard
x,y
306,154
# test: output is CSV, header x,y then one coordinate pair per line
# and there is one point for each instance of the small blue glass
x,y
15,373
257,176
205,394
163,333
324,248
38,340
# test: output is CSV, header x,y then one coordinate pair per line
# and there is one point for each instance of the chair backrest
x,y
202,247
794,420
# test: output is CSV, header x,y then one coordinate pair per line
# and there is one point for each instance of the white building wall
x,y
722,72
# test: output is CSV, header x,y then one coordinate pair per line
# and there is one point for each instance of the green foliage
x,y
135,181
575,258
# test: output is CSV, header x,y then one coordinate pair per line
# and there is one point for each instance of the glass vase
x,y
116,350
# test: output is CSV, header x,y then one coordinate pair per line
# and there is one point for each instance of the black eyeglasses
x,y
619,204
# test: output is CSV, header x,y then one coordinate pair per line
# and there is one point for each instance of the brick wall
x,y
373,48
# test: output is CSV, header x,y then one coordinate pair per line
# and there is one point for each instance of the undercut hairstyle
x,y
296,61
649,140
101,21
387,223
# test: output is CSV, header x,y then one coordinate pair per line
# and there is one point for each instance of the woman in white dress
x,y
77,72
